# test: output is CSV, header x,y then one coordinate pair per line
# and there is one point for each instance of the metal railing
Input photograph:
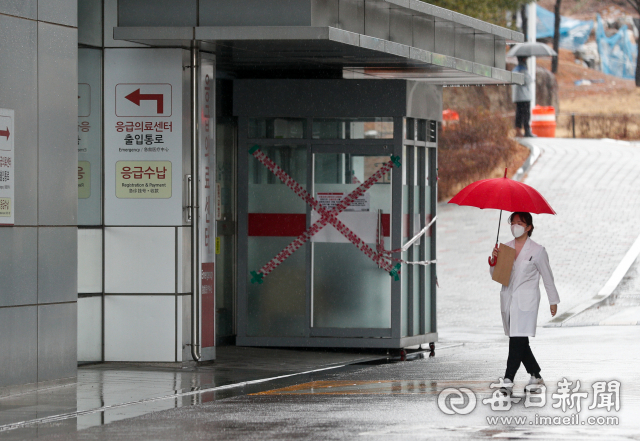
x,y
588,125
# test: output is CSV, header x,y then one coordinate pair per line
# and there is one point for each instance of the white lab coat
x,y
520,300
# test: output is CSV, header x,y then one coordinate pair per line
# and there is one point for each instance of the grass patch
x,y
620,126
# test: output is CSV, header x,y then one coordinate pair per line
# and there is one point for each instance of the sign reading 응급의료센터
x,y
143,138
7,167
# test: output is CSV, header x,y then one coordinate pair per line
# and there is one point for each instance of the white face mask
x,y
517,230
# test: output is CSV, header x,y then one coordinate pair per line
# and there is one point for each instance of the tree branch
x,y
635,4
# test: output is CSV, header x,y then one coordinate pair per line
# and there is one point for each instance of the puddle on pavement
x,y
384,387
103,396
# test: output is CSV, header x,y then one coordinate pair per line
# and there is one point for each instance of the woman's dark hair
x,y
524,217
522,60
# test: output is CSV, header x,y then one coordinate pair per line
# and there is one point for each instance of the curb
x,y
534,154
605,292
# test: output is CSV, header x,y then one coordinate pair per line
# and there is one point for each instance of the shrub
x,y
478,147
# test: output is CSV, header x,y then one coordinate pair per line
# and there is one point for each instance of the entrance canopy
x,y
401,39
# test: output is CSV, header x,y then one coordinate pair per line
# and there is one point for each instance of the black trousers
x,y
523,114
520,352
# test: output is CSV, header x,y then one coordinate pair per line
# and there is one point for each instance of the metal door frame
x,y
331,337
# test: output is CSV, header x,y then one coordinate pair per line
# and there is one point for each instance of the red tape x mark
x,y
326,217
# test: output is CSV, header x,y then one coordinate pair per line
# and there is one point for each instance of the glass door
x,y
350,294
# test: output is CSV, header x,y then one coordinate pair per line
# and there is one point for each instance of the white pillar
x,y
531,37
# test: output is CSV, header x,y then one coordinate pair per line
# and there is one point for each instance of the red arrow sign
x,y
135,97
5,133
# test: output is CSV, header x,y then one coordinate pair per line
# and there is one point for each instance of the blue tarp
x,y
617,54
573,33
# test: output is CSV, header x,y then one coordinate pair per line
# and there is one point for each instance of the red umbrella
x,y
502,194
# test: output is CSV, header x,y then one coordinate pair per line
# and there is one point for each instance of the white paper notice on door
x,y
330,200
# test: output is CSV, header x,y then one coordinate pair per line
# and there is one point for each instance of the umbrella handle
x,y
492,261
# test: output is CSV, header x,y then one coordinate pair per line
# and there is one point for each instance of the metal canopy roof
x,y
292,47
244,46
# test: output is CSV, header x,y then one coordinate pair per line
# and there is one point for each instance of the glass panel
x,y
352,128
409,128
89,136
267,194
422,130
429,193
276,308
404,274
415,256
277,128
433,131
225,265
349,290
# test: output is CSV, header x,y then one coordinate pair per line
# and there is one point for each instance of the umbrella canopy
x,y
503,194
531,50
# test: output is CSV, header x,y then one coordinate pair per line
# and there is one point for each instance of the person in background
x,y
522,95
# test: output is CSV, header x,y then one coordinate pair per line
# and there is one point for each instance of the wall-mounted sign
x,y
84,179
143,179
143,152
89,136
7,167
208,199
143,99
330,200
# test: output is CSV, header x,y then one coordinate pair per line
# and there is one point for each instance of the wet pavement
x,y
113,391
400,400
621,308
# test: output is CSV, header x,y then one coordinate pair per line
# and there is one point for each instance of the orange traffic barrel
x,y
449,117
543,121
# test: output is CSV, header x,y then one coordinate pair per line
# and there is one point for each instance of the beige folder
x,y
502,270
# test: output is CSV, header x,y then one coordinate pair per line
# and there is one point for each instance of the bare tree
x,y
635,4
556,36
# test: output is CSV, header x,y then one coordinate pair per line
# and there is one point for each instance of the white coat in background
x,y
520,300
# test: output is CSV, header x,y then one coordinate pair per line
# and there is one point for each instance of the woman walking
x,y
520,300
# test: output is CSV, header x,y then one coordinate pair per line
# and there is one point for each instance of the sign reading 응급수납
x,y
143,137
7,179
143,179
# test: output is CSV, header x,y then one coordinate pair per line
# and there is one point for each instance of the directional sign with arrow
x,y
7,167
143,100
135,97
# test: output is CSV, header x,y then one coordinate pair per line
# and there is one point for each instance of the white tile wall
x,y
90,329
140,260
140,328
89,260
